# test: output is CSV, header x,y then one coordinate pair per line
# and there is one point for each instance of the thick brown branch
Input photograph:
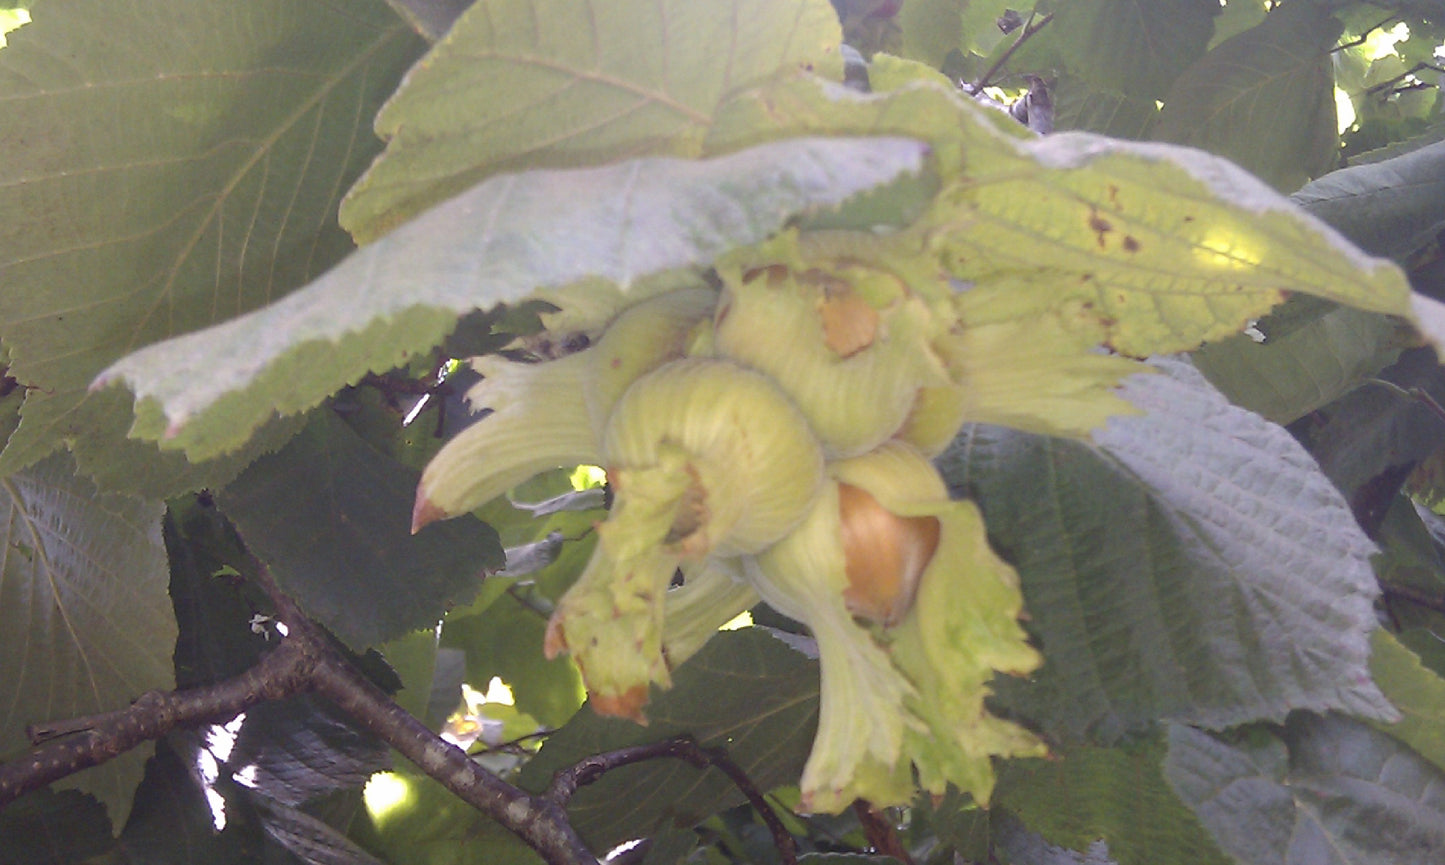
x,y
567,781
70,746
538,821
305,661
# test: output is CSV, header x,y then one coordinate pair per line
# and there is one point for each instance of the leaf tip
x,y
425,512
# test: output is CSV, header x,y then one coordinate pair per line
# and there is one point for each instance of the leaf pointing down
x,y
500,242
86,624
1197,565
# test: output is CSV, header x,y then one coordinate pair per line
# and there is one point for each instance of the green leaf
x,y
932,28
1392,208
86,625
1342,794
527,84
1264,99
414,657
431,826
331,517
1080,106
1378,427
1417,692
181,166
172,821
498,243
45,827
1313,352
506,640
745,691
1127,47
1196,565
430,18
1115,794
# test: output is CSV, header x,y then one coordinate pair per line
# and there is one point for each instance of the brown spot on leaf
x,y
1100,226
1130,244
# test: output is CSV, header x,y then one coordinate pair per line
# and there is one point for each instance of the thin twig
x,y
1364,37
1414,392
1030,28
1388,82
1414,596
567,781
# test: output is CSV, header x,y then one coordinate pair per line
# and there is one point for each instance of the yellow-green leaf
x,y
1416,691
1161,247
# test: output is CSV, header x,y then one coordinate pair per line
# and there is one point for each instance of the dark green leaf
x,y
1392,208
173,822
746,691
1196,566
506,641
214,609
45,828
86,625
1312,353
332,518
1128,47
1115,794
310,840
1264,99
500,242
1082,106
293,751
169,164
1342,794
1376,427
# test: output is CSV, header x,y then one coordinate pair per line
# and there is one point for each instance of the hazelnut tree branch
x,y
306,661
567,781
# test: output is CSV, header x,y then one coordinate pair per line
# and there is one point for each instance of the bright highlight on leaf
x,y
385,793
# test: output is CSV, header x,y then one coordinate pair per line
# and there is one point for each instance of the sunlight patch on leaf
x,y
1161,246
